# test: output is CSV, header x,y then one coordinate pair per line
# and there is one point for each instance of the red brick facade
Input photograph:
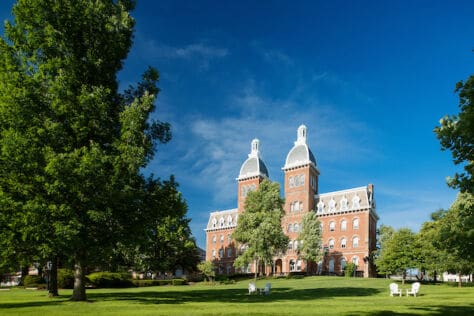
x,y
348,218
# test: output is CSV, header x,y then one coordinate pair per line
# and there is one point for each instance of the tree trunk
x,y
256,269
404,275
79,292
459,280
24,272
53,278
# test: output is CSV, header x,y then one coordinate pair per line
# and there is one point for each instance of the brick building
x,y
348,217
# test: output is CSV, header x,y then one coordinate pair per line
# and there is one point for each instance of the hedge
x,y
33,281
110,279
65,279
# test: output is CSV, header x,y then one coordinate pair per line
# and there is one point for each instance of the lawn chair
x,y
394,290
267,288
252,288
415,287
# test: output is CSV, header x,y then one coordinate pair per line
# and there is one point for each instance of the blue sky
x,y
370,80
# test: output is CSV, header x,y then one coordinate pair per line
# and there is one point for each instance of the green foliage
x,y
349,270
33,281
179,282
110,279
65,279
456,133
397,252
259,227
310,238
207,269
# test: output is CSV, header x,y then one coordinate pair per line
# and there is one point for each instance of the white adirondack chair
x,y
415,287
252,288
266,290
394,290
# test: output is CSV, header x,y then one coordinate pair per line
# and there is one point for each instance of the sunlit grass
x,y
308,296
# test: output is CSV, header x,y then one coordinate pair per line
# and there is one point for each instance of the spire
x,y
254,150
301,135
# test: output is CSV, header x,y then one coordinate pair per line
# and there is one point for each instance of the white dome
x,y
253,166
300,154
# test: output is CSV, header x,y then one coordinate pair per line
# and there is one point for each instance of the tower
x,y
252,172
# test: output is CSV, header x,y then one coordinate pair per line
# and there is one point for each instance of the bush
x,y
65,278
110,279
142,283
179,282
349,270
33,281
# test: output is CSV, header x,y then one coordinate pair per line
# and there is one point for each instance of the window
x,y
332,226
229,239
214,239
355,223
320,207
229,220
298,265
292,265
290,228
355,260
214,222
229,268
321,226
295,243
343,263
355,242
229,252
343,242
343,225
221,222
331,243
344,204
296,181
296,227
332,205
213,254
356,202
222,238
221,253
290,245
331,265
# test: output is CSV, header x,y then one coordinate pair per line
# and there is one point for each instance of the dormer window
x,y
356,202
332,205
221,222
214,222
344,204
229,220
320,207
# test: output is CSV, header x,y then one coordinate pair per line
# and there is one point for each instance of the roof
x,y
350,200
254,165
300,154
222,219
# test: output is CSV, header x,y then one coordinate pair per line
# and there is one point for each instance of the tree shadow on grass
x,y
231,295
431,310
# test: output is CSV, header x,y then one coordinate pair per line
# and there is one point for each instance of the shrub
x,y
110,279
349,269
179,282
33,281
65,278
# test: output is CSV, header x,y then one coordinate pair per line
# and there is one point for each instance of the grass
x,y
308,296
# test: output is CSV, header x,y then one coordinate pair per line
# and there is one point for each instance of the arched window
x,y
229,220
343,263
292,265
355,242
221,222
355,223
331,243
355,260
356,202
229,252
221,253
332,226
320,207
321,226
332,205
296,227
290,228
331,265
222,238
214,239
290,245
298,265
343,225
295,244
213,254
229,238
343,242
229,268
344,204
214,222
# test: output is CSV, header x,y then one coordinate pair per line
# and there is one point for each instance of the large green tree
x,y
310,239
456,133
456,235
72,145
397,253
259,227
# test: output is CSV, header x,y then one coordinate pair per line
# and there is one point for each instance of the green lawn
x,y
308,296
